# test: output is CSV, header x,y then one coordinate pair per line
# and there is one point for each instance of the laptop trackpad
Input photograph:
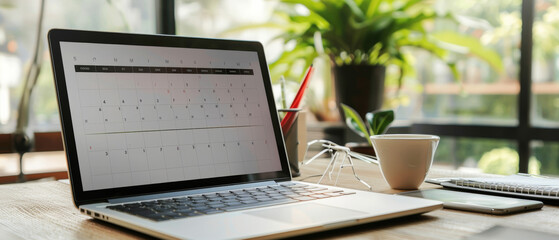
x,y
306,213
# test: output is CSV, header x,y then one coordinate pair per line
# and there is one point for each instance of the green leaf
x,y
410,4
435,48
355,123
355,9
400,61
379,121
423,43
372,8
288,58
310,4
474,46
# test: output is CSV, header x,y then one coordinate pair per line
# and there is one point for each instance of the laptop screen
x,y
146,115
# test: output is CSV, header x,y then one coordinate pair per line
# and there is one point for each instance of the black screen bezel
x,y
55,36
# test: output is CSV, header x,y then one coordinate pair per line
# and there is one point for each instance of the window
x,y
517,105
478,154
436,97
18,26
545,65
223,18
18,29
486,95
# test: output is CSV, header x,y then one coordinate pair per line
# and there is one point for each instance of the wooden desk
x,y
45,210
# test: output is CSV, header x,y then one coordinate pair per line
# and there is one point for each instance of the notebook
x,y
179,137
518,185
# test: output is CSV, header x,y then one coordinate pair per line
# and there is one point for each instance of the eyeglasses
x,y
336,151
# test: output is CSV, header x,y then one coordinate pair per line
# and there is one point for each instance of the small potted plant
x,y
377,122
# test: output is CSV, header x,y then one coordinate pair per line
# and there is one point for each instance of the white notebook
x,y
519,185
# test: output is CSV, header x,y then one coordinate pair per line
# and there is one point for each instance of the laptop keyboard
x,y
211,203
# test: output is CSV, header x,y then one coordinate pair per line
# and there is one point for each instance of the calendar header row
x,y
143,69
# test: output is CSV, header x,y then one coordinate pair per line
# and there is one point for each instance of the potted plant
x,y
377,123
362,37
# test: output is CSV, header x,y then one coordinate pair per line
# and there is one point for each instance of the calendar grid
x,y
178,129
177,114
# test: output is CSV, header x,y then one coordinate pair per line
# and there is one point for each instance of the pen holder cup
x,y
295,139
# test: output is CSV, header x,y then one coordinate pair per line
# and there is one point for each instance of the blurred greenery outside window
x,y
18,26
486,97
545,82
545,65
483,96
546,153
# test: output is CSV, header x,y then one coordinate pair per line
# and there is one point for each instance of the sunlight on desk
x,y
371,174
33,163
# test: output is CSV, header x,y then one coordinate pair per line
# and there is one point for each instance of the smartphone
x,y
476,202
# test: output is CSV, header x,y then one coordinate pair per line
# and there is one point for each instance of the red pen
x,y
290,116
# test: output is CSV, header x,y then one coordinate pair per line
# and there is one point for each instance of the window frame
x,y
524,132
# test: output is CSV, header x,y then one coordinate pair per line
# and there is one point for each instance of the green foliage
x,y
372,32
548,152
474,46
547,107
471,108
355,123
378,122
504,161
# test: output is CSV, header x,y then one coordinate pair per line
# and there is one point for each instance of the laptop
x,y
179,137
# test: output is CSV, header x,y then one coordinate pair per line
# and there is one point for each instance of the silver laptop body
x,y
179,137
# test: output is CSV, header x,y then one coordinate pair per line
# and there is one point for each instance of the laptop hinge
x,y
288,179
189,192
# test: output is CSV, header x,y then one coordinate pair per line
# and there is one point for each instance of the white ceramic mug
x,y
405,159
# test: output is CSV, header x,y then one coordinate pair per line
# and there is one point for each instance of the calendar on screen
x,y
144,115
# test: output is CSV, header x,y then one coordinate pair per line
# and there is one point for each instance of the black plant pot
x,y
360,87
